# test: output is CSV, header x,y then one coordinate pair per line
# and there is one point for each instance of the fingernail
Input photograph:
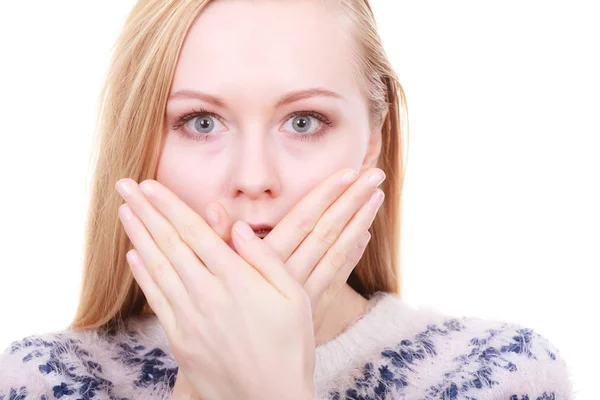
x,y
133,257
212,216
376,198
349,177
124,187
125,212
244,230
377,177
147,188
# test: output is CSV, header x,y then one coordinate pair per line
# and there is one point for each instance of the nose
x,y
254,172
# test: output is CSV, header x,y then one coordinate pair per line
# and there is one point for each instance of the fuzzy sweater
x,y
394,351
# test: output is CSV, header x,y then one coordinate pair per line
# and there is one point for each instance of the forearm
x,y
183,393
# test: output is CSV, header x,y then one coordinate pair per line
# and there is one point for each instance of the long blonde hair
x,y
128,142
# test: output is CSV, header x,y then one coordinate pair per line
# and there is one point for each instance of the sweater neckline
x,y
379,303
379,327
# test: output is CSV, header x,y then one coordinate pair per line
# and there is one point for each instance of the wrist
x,y
309,395
289,394
176,396
179,394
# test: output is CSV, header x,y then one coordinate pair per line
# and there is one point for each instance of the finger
x,y
339,261
331,224
218,219
298,223
192,272
320,302
262,257
159,268
154,295
214,253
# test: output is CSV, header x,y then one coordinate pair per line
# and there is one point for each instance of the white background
x,y
502,195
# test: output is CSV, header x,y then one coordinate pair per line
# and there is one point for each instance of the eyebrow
x,y
285,99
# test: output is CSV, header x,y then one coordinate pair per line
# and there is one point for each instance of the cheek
x,y
303,178
181,175
349,152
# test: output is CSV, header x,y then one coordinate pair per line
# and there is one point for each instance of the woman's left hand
x,y
238,329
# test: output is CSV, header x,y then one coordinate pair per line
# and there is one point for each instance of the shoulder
x,y
501,360
86,365
34,365
429,355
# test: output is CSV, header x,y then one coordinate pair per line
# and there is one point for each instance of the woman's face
x,y
264,106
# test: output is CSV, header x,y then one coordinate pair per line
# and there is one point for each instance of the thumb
x,y
219,220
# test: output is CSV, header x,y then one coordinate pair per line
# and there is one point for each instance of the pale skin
x,y
255,166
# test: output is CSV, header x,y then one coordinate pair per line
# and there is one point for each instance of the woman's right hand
x,y
324,229
332,220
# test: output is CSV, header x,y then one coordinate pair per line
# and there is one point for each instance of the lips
x,y
261,230
258,227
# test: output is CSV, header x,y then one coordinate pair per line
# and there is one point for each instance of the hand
x,y
228,317
287,239
337,229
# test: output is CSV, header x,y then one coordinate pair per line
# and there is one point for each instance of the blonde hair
x,y
131,107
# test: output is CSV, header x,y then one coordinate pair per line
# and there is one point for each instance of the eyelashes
x,y
181,125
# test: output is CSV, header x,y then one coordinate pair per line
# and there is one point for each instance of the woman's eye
x,y
203,124
303,124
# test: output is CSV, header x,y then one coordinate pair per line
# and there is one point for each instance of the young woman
x,y
239,245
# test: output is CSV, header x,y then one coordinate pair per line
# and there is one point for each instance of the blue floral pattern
x,y
387,379
475,361
85,380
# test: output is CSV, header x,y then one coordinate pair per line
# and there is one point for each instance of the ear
x,y
374,146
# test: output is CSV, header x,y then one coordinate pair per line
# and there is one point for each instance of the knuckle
x,y
328,234
193,235
166,241
337,258
306,223
189,232
160,271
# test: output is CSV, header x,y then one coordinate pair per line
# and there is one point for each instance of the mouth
x,y
261,233
260,229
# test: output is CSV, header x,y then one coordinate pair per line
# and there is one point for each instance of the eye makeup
x,y
181,125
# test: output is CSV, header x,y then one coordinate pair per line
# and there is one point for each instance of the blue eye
x,y
204,123
302,124
199,125
303,121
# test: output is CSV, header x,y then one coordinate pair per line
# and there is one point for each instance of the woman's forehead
x,y
291,43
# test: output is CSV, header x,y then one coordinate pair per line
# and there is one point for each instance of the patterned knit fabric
x,y
394,351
